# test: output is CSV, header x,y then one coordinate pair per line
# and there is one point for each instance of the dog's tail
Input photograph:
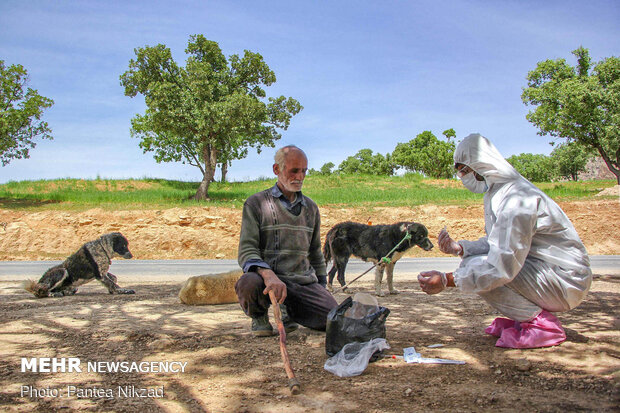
x,y
39,290
327,247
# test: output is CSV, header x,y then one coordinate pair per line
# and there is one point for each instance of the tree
x,y
426,154
449,134
364,162
578,103
208,112
326,169
20,114
383,165
535,168
224,169
568,159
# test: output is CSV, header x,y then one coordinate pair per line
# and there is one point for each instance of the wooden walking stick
x,y
293,384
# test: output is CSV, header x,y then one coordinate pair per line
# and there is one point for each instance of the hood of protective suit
x,y
482,156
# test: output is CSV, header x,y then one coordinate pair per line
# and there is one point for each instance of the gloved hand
x,y
432,282
447,245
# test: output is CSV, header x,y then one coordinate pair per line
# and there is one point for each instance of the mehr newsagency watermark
x,y
75,365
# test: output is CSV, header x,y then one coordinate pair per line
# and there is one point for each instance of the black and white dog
x,y
371,243
90,262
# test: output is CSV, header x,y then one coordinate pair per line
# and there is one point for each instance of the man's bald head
x,y
282,154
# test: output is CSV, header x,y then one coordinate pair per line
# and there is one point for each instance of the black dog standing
x,y
371,243
91,262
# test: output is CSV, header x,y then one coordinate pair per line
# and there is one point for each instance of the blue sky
x,y
370,74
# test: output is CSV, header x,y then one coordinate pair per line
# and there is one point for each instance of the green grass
x,y
574,190
360,190
335,190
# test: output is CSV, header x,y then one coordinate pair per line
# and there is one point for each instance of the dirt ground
x,y
228,370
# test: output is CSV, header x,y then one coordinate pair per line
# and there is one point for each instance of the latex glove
x,y
447,245
273,283
432,282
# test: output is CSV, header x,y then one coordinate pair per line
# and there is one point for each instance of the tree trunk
x,y
609,163
224,171
210,156
203,189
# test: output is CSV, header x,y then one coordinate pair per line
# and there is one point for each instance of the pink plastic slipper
x,y
544,330
498,325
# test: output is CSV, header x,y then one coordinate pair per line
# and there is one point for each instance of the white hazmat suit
x,y
532,258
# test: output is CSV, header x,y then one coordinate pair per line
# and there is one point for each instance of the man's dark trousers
x,y
307,305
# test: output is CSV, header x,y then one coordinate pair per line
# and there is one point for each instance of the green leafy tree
x,y
21,109
365,162
426,154
534,167
568,159
580,103
326,169
360,163
208,112
383,165
449,134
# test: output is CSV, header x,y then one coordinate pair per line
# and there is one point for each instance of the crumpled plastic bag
x,y
353,359
363,305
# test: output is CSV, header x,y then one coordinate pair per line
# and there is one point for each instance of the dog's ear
x,y
422,230
418,229
419,232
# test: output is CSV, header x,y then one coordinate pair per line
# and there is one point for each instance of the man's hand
x,y
432,282
273,283
447,245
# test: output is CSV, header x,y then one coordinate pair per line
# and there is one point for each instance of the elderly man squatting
x,y
280,251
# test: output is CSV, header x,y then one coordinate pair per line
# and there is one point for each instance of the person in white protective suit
x,y
531,262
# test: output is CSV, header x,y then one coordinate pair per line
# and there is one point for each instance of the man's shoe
x,y
261,326
289,325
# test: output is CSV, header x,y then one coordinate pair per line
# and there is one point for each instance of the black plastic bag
x,y
342,330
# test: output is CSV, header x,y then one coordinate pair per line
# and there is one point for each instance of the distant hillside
x,y
596,169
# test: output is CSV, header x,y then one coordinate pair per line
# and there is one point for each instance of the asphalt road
x,y
180,270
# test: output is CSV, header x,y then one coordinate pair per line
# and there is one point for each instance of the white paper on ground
x,y
412,356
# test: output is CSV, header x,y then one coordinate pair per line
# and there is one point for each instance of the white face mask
x,y
473,184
